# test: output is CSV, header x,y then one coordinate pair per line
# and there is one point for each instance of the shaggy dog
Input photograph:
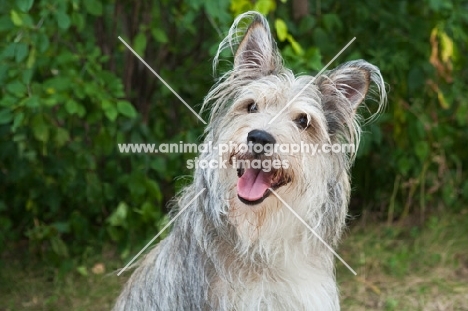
x,y
237,246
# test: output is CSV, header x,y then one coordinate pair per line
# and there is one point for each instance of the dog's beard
x,y
258,216
256,213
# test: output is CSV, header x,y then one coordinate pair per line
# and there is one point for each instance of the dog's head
x,y
294,135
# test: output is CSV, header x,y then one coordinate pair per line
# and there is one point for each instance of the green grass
x,y
36,286
402,267
407,267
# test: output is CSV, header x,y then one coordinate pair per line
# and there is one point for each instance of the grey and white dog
x,y
237,247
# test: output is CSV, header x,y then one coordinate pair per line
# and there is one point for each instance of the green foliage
x,y
71,92
63,111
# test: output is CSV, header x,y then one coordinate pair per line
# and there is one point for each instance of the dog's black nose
x,y
260,137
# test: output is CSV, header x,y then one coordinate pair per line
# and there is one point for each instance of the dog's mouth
x,y
253,185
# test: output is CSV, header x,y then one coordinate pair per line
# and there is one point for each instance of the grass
x,y
35,286
407,267
402,267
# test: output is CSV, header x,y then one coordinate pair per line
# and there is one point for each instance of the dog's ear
x,y
349,82
257,51
343,90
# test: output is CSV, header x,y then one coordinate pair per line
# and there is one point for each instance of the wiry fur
x,y
225,255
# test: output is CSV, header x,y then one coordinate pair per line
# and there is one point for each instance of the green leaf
x,y
43,42
31,59
71,106
196,4
61,136
5,23
40,128
10,50
422,150
314,58
111,114
148,212
109,110
281,29
19,117
332,22
32,102
8,101
59,83
26,75
63,20
139,43
265,6
16,18
218,10
240,6
21,51
16,88
5,116
119,216
295,45
59,247
24,5
159,35
82,270
81,111
153,189
93,7
126,108
78,20
438,5
27,20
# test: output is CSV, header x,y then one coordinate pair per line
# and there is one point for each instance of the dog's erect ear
x,y
257,50
344,88
349,81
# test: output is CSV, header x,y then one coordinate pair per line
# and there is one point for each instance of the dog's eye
x,y
302,121
252,108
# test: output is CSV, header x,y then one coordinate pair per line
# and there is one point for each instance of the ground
x,y
404,267
399,267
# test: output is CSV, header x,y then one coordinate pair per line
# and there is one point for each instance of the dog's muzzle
x,y
255,181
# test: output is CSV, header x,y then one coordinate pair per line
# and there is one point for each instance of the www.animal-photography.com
x,y
233,155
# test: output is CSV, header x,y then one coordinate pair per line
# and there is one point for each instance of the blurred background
x,y
73,209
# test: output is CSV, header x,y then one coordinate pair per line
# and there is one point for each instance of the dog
x,y
237,246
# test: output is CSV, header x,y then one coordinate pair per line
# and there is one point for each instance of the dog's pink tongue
x,y
253,184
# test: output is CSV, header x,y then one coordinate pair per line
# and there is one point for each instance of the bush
x,y
71,92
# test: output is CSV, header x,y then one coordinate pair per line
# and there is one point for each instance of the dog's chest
x,y
297,286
